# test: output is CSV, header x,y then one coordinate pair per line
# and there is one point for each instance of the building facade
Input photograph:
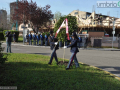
x,y
12,8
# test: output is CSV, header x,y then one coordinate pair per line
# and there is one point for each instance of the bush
x,y
1,36
12,32
3,57
72,24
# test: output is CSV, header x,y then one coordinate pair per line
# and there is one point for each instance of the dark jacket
x,y
9,37
30,36
34,37
73,45
79,39
38,38
41,37
46,37
52,43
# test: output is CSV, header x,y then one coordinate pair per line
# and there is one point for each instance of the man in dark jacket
x,y
38,39
41,39
30,39
74,50
53,46
34,38
9,40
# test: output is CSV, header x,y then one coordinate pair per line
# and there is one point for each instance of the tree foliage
x,y
29,11
72,26
57,15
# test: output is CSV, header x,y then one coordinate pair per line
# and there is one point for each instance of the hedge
x,y
1,36
12,32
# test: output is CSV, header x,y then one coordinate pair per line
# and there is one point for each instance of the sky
x,y
67,6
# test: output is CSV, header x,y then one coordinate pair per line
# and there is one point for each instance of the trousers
x,y
30,42
53,55
73,57
9,47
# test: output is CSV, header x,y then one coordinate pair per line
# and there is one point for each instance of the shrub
x,y
12,32
1,36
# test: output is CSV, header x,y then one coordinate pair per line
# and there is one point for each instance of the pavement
x,y
107,59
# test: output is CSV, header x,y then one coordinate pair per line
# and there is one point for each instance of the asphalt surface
x,y
106,59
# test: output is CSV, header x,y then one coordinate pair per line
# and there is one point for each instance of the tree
x,y
29,11
72,24
57,15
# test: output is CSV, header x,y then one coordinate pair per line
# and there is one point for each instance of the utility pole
x,y
113,31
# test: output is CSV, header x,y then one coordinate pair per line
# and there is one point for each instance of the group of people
x,y
74,49
36,38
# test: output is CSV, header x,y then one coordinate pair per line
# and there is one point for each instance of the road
x,y
106,60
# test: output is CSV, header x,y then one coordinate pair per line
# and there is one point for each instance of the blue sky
x,y
67,6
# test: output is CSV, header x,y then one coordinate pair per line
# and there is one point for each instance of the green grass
x,y
31,72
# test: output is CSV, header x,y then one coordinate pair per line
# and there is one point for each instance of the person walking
x,y
14,37
74,50
41,39
9,40
30,39
53,46
46,40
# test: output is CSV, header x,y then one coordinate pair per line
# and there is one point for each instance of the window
x,y
76,13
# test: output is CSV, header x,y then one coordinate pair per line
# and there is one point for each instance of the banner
x,y
67,33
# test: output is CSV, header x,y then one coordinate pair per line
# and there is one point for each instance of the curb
x,y
118,78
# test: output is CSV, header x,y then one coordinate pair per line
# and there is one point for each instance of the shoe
x,y
67,68
49,63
